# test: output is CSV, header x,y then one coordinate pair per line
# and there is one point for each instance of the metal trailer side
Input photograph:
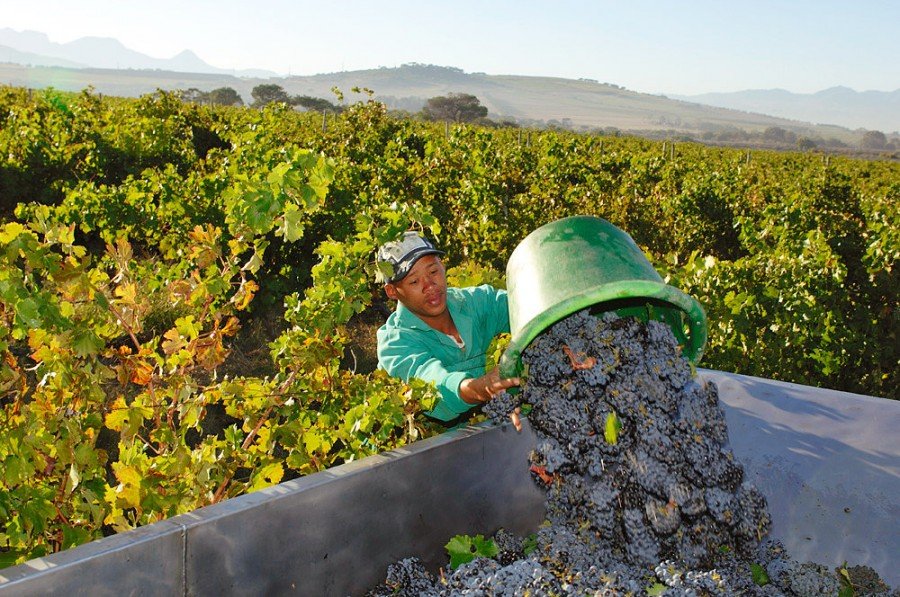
x,y
827,461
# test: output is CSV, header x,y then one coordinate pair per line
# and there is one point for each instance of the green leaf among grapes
x,y
463,549
612,428
846,582
759,574
529,544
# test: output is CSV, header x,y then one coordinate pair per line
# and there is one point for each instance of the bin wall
x,y
330,533
828,463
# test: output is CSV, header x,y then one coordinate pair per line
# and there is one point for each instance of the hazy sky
x,y
653,46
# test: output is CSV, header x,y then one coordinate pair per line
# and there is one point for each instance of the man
x,y
439,334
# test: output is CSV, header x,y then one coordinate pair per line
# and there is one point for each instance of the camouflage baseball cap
x,y
396,258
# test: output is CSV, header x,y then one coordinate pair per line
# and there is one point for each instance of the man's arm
x,y
459,392
491,304
405,359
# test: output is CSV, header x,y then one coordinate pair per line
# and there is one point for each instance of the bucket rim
x,y
511,360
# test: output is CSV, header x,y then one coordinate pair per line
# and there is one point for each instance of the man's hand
x,y
482,389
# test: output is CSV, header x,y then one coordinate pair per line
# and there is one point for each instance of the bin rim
x,y
631,290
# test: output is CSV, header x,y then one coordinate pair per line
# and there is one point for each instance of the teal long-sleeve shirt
x,y
408,347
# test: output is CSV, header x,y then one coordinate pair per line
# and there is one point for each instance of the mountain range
x,y
36,49
30,59
873,110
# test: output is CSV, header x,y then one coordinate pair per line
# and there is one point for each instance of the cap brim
x,y
411,261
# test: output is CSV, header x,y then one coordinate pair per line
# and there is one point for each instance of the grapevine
x,y
142,241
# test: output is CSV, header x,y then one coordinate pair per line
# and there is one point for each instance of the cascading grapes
x,y
659,501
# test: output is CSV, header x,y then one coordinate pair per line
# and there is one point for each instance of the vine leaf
x,y
611,428
759,574
86,343
268,475
464,548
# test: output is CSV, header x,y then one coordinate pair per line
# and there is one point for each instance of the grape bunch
x,y
643,491
501,406
665,485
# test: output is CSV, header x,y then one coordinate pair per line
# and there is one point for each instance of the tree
x,y
873,140
194,95
224,96
775,133
267,94
778,135
456,107
314,103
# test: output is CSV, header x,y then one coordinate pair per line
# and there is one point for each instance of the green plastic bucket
x,y
586,262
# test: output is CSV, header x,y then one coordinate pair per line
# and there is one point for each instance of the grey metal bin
x,y
827,461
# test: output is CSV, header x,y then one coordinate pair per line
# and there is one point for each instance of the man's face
x,y
424,289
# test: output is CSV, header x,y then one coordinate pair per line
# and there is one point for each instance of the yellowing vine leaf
x,y
141,372
244,294
118,414
269,475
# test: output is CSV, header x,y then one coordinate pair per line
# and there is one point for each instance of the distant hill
x,y
581,103
30,59
874,110
12,55
101,52
529,101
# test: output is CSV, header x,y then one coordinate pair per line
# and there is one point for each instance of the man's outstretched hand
x,y
482,389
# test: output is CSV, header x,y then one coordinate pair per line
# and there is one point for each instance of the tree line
x,y
262,95
776,137
454,107
467,108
